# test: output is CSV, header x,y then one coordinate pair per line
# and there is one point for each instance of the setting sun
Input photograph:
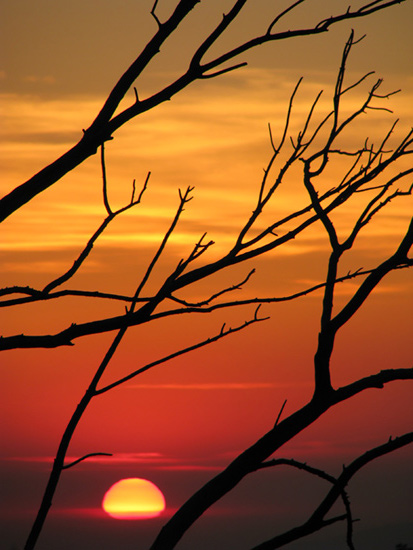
x,y
133,498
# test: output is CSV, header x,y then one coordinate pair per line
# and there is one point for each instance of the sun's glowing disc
x,y
133,498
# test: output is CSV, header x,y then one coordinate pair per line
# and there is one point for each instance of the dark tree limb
x,y
318,519
82,458
88,248
323,475
223,332
90,393
400,257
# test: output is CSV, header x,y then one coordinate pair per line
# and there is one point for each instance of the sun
x,y
133,498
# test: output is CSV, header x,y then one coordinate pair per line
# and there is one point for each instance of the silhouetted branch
x,y
399,258
323,475
184,199
318,519
88,248
377,381
90,393
89,455
280,413
153,13
105,183
224,332
34,295
214,296
223,71
373,208
287,10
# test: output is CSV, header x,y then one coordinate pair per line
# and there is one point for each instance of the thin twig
x,y
153,13
280,413
183,351
105,183
89,455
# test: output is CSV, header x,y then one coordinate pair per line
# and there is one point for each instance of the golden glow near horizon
x,y
133,498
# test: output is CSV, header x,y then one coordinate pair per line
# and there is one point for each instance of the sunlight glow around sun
x,y
133,498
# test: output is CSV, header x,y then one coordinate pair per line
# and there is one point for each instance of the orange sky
x,y
192,415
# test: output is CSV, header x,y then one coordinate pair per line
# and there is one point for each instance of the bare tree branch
x,y
397,259
224,332
323,475
105,185
88,248
81,459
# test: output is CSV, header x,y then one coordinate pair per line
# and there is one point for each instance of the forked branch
x,y
318,520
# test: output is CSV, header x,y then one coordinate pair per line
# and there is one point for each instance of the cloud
x,y
151,460
208,386
46,137
48,79
117,458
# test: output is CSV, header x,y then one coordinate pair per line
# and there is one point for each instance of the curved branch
x,y
397,259
34,295
224,332
81,459
317,520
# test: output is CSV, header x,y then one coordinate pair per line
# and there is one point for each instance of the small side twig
x,y
81,459
280,413
104,178
222,333
153,13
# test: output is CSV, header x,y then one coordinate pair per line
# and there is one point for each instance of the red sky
x,y
178,424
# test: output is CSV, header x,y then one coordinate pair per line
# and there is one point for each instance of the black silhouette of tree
x,y
376,175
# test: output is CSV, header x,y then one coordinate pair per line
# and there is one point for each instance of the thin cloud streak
x,y
149,460
246,386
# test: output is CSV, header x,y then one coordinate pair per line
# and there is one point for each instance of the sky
x,y
181,423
